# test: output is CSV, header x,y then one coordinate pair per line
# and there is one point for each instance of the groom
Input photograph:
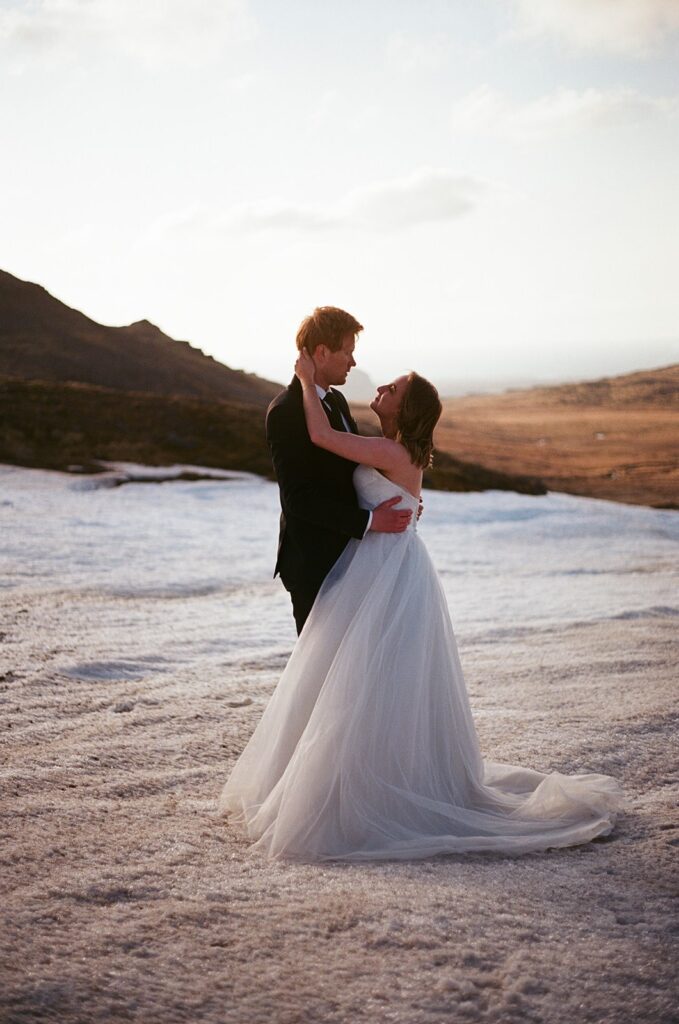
x,y
319,509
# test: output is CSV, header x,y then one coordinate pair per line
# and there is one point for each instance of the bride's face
x,y
387,401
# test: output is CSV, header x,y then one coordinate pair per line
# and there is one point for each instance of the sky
x,y
490,186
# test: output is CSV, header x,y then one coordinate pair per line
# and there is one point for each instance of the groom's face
x,y
336,365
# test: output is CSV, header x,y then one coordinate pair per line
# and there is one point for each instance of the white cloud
x,y
408,54
487,111
429,195
153,32
185,221
325,107
273,214
426,196
619,26
483,111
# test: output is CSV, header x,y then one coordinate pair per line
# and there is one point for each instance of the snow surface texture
x,y
142,638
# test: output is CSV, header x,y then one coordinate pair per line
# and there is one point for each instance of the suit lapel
x,y
334,418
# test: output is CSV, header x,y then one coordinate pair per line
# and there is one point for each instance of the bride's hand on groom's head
x,y
304,368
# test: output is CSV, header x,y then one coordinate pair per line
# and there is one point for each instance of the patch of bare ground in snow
x,y
125,898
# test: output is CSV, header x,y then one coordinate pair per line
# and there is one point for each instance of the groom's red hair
x,y
327,326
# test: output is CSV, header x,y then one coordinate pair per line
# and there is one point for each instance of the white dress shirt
x,y
321,394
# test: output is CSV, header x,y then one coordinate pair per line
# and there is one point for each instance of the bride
x,y
367,749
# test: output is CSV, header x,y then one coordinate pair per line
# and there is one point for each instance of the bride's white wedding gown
x,y
367,749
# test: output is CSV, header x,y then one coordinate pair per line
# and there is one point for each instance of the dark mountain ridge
x,y
41,338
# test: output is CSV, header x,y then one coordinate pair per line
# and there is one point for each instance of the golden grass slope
x,y
615,438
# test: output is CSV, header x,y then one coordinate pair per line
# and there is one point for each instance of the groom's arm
x,y
289,444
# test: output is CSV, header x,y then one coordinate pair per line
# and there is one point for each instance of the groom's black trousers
x,y
302,598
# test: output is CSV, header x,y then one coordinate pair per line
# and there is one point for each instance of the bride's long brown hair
x,y
419,413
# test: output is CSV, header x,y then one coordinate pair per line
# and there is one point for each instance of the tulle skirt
x,y
367,749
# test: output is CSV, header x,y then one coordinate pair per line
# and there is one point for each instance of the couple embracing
x,y
367,749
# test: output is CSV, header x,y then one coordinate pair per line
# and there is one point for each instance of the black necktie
x,y
333,406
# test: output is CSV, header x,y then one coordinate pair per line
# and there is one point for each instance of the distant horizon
x,y
448,386
488,386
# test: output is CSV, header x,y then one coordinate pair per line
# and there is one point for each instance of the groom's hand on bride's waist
x,y
387,519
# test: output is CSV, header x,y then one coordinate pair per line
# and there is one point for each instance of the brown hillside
x,y
43,339
615,438
51,425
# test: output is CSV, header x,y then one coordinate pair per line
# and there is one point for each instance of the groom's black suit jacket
x,y
319,509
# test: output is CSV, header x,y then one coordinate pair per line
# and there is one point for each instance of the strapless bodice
x,y
372,488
